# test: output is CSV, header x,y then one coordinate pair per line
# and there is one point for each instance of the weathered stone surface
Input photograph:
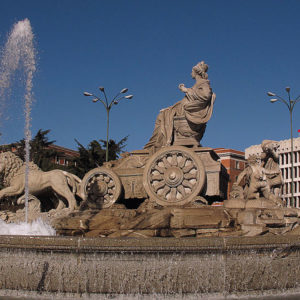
x,y
235,203
208,217
295,230
105,222
260,203
99,232
111,219
66,219
146,233
178,233
71,223
156,219
291,212
253,229
205,231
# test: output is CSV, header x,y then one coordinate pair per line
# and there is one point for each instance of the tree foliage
x,y
94,154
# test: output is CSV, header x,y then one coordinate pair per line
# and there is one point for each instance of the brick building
x,y
65,156
234,162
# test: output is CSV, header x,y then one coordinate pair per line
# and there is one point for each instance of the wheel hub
x,y
173,176
101,188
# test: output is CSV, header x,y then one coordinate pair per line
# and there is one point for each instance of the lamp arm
x,y
294,102
106,100
283,101
114,98
99,100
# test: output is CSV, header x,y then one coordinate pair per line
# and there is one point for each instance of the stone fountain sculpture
x,y
174,178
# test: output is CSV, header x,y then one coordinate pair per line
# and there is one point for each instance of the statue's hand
x,y
182,87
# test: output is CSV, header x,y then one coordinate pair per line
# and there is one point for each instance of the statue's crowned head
x,y
201,68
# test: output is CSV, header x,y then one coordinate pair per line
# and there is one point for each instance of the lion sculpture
x,y
12,169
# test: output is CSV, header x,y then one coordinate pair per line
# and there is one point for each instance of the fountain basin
x,y
165,266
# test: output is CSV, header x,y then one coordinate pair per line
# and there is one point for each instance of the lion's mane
x,y
13,166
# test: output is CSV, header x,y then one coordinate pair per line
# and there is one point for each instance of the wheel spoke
x,y
157,177
166,162
111,184
188,168
181,190
187,184
173,194
159,169
158,186
189,176
165,191
174,160
182,162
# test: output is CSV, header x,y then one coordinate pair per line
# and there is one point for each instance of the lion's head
x,y
10,165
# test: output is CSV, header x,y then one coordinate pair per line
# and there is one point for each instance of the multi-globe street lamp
x,y
108,105
290,105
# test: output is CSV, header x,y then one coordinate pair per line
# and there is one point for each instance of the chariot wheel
x,y
101,183
174,175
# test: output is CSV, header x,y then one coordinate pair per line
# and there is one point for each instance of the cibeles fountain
x,y
175,241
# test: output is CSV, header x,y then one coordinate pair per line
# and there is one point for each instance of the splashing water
x,y
37,227
19,53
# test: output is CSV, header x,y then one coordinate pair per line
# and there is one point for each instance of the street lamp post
x,y
108,105
290,105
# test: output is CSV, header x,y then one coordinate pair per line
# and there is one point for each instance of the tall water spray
x,y
19,54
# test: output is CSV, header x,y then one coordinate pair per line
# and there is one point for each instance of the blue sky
x,y
150,47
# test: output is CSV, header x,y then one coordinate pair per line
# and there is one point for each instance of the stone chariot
x,y
173,176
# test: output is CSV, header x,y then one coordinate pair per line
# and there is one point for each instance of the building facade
x,y
66,155
234,162
285,164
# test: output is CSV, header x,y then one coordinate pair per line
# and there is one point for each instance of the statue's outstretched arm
x,y
183,88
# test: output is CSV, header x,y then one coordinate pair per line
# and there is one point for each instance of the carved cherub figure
x,y
255,181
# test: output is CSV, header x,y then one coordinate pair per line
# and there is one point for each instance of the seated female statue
x,y
195,109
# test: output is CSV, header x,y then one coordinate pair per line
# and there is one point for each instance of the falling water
x,y
19,54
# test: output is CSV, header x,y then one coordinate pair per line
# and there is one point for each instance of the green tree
x,y
93,155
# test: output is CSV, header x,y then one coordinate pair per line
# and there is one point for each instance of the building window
x,y
237,165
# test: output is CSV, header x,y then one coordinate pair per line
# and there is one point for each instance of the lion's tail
x,y
73,181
